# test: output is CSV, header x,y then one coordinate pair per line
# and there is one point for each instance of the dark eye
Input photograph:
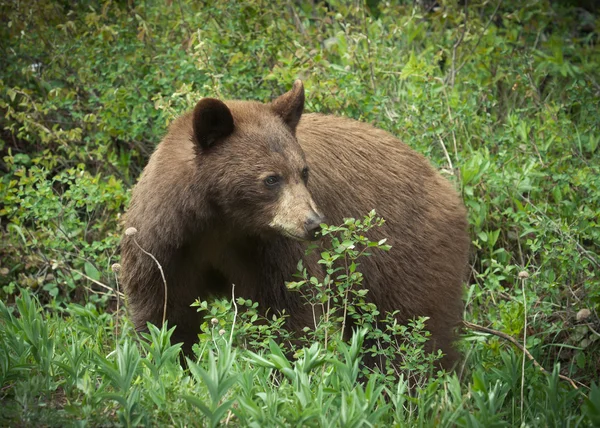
x,y
305,174
272,180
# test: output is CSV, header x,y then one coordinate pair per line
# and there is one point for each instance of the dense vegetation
x,y
503,96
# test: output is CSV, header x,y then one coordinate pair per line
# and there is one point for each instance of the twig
x,y
95,281
522,348
229,415
593,81
162,274
314,314
116,268
297,22
366,31
98,292
589,325
234,313
131,231
186,25
523,279
585,253
455,46
453,124
478,40
446,153
464,363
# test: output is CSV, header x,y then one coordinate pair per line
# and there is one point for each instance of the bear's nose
x,y
312,224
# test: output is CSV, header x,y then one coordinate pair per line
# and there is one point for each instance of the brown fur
x,y
201,207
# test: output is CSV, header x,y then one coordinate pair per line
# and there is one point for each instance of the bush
x,y
501,96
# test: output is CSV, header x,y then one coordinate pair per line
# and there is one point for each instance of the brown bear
x,y
236,188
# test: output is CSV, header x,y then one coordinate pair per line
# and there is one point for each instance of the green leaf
x,y
91,271
196,402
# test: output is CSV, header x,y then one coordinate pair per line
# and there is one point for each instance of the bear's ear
x,y
212,121
290,105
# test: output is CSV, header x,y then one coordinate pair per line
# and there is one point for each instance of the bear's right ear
x,y
290,105
212,121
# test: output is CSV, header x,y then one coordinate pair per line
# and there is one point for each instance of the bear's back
x,y
368,167
356,168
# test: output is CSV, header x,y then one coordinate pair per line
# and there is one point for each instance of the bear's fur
x,y
208,208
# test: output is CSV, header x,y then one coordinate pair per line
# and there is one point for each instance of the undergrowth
x,y
503,98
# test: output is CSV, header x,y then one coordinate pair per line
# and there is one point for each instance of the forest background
x,y
502,96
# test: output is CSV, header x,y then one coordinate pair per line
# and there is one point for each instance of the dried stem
x,y
162,274
453,70
95,281
446,154
522,348
234,313
118,304
524,345
297,21
478,40
580,249
369,58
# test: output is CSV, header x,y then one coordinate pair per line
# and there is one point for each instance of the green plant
x,y
501,96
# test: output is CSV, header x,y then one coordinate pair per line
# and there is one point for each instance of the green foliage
x,y
501,96
341,300
83,378
218,380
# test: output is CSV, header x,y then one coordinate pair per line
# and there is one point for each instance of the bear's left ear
x,y
290,105
212,121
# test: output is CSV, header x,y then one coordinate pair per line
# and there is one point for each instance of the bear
x,y
236,190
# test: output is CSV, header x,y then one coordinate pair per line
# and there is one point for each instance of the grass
x,y
501,96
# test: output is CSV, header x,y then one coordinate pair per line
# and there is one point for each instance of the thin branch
x,y
585,253
446,153
297,21
369,58
592,81
187,26
589,325
455,47
522,348
229,415
479,39
162,274
116,268
95,281
234,313
453,124
524,345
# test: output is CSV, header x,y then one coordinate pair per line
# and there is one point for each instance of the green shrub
x,y
501,96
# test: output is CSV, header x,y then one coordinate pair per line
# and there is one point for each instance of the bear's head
x,y
251,166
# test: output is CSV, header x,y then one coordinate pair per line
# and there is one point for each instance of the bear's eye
x,y
305,174
272,180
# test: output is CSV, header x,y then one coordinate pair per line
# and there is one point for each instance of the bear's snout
x,y
312,225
